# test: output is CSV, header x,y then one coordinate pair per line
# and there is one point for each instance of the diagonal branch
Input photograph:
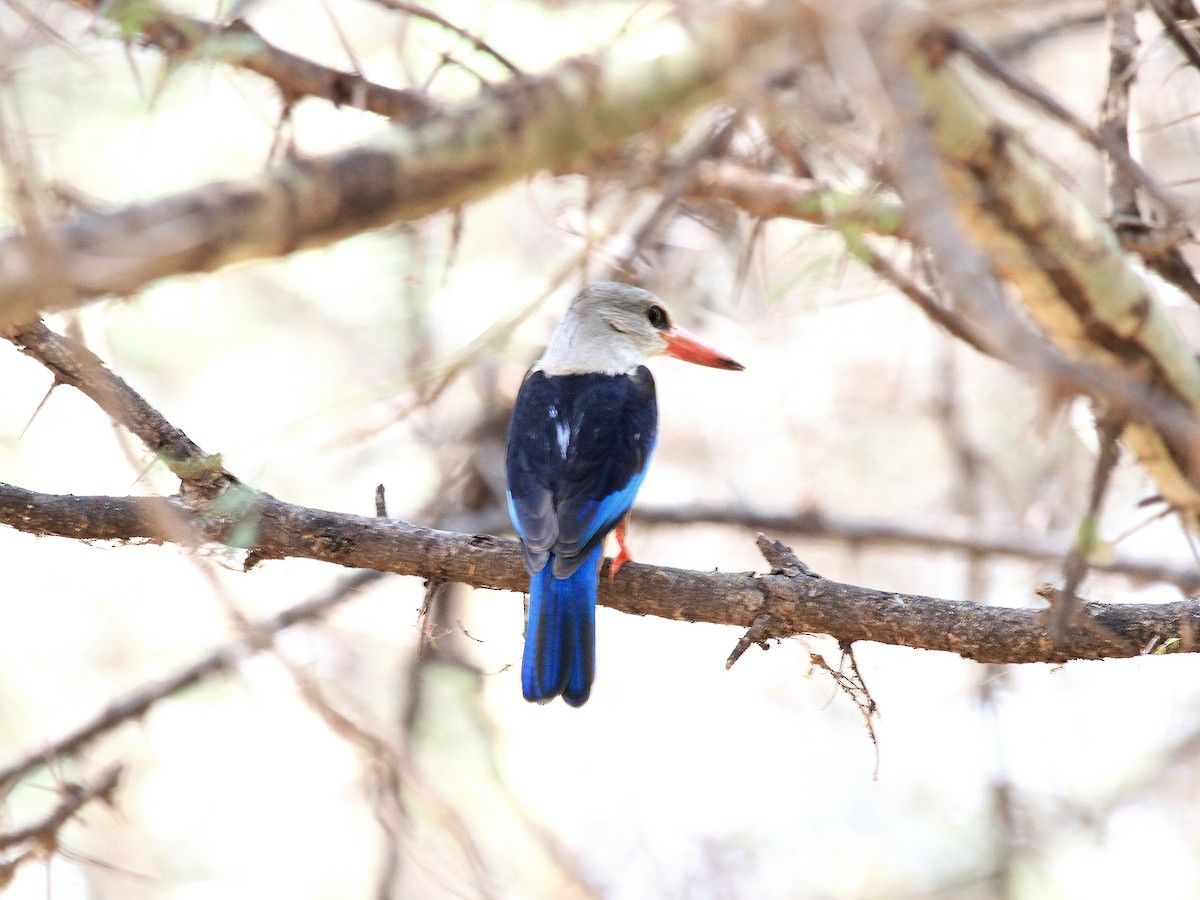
x,y
423,12
1170,15
1118,151
554,122
134,705
73,364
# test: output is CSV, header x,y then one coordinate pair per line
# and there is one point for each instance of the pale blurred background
x,y
678,779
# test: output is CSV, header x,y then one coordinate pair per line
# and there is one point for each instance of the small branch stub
x,y
783,561
760,631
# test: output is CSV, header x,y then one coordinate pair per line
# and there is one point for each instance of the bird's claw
x,y
622,556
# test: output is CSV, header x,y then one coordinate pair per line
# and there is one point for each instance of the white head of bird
x,y
613,328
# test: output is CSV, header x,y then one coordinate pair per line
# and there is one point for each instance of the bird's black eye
x,y
657,317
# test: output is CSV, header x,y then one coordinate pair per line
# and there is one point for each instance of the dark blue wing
x,y
578,447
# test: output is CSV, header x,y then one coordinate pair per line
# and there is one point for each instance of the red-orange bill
x,y
682,345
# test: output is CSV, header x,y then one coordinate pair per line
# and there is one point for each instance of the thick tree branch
x,y
240,517
554,122
272,529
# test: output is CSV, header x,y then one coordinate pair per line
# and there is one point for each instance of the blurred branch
x,y
941,315
1087,535
1114,111
236,43
388,770
769,196
136,704
1160,250
423,12
679,172
1171,13
815,523
959,41
1022,42
554,122
40,838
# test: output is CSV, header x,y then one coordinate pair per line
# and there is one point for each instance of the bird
x,y
583,429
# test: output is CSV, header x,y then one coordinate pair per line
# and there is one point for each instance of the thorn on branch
x,y
40,838
380,502
41,405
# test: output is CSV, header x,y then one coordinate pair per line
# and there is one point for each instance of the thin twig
x,y
1022,42
422,12
679,170
941,315
853,686
1067,610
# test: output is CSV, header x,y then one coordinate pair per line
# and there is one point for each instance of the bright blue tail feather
x,y
560,637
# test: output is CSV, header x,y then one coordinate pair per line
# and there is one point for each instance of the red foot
x,y
623,556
